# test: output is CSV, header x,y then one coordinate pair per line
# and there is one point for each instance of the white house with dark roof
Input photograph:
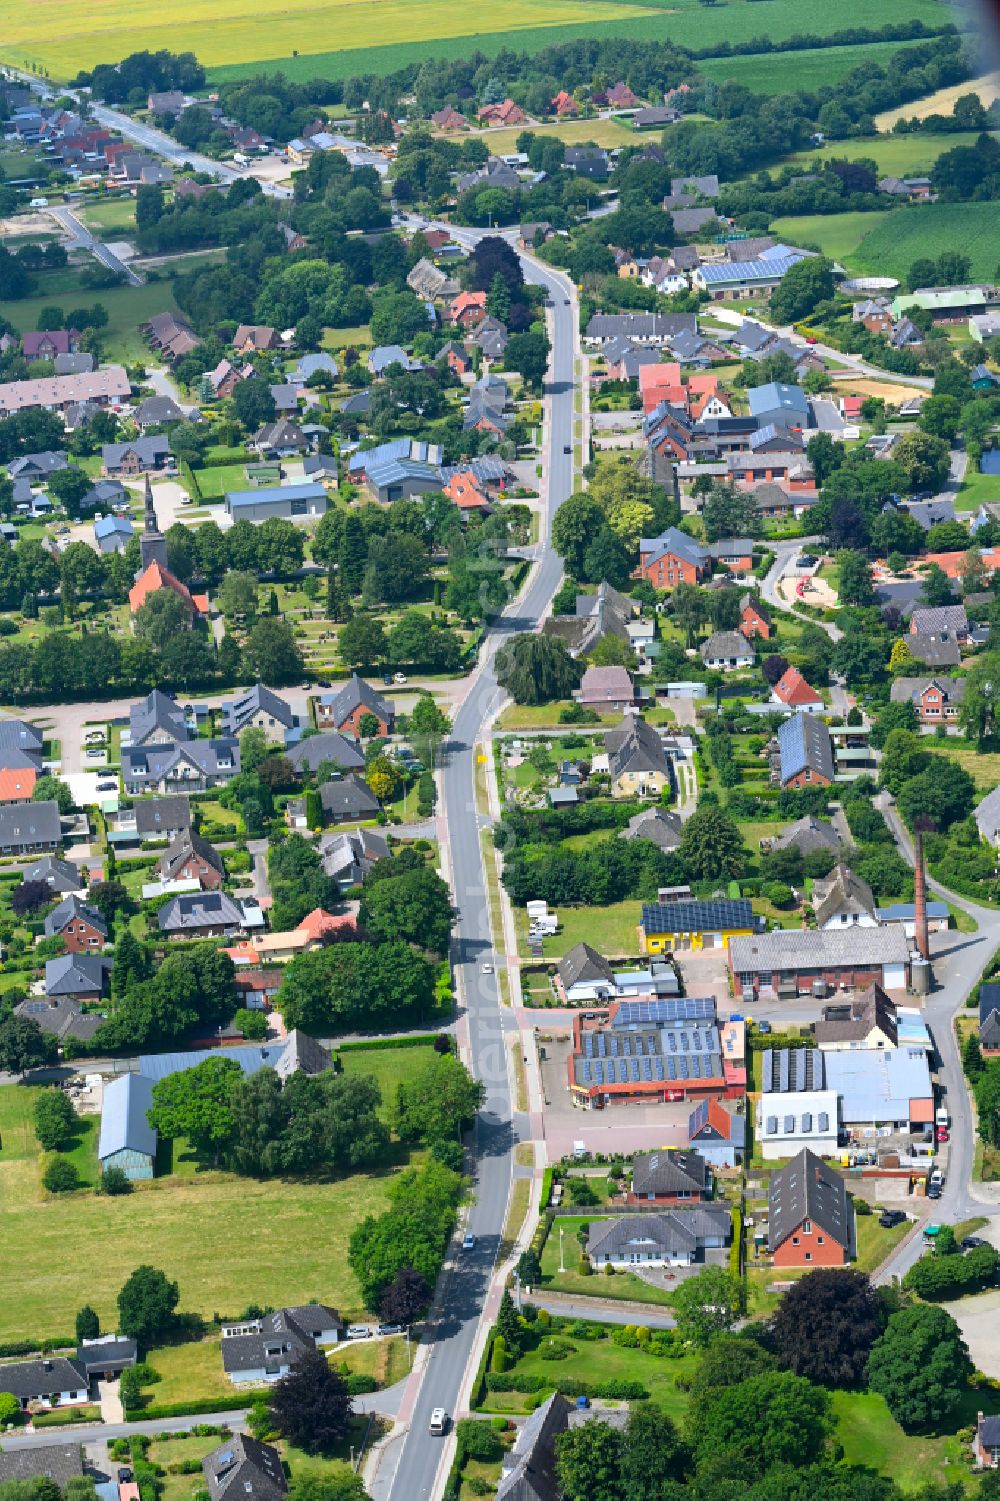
x,y
678,1237
264,1349
259,708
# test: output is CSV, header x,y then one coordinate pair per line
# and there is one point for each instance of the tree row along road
x,y
467,1287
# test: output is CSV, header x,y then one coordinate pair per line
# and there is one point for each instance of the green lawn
x,y
115,215
609,133
836,235
389,1066
769,72
612,930
166,1450
894,155
871,1436
127,308
926,230
977,488
600,1360
263,1242
982,766
623,1285
220,478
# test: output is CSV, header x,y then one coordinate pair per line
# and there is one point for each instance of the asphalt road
x,y
468,1285
84,240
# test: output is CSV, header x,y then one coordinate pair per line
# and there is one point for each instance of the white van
x,y
941,1116
439,1421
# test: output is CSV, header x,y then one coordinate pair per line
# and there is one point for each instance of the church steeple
x,y
152,543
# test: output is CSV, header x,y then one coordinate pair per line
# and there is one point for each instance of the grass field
x,y
607,133
428,30
895,156
927,229
943,101
770,72
977,488
612,930
117,214
127,308
269,1242
604,1361
837,235
389,1066
624,1285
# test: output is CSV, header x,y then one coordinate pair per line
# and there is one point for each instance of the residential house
x,y
689,221
989,1018
467,309
259,708
80,926
793,692
195,764
940,620
606,690
673,558
170,336
843,900
677,1238
565,105
36,468
661,1049
113,533
310,753
347,858
505,113
485,411
868,1020
727,651
127,1140
428,281
808,835
659,825
49,343
345,709
166,102
587,161
255,338
780,404
651,329
805,752
533,234
755,619
283,439
61,1017
685,926
670,1177
157,720
448,119
656,117
465,493
224,379
302,502
208,914
58,393
985,1443
157,411
150,452
59,1463
620,96
265,1348
637,762
716,1134
321,468
60,876
494,174
810,1215
597,616
17,784
79,977
458,358
190,858
348,798
30,827
789,963
936,700
106,1356
625,360
52,1381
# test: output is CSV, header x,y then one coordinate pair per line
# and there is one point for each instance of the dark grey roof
x,y
146,765
808,1189
40,1378
657,824
238,712
952,689
243,1466
156,712
192,911
57,1462
328,745
674,1231
158,815
855,1019
707,186
31,824
70,909
669,1172
791,1070
584,963
61,1018
790,949
76,974
635,746
357,693
989,1431
842,891
156,409
17,734
181,849
603,613
104,1353
529,1470
679,544
62,876
989,998
149,449
348,797
935,651
727,645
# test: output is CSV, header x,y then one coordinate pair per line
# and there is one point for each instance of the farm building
x,y
127,1140
789,963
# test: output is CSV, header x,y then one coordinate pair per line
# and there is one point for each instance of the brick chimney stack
x,y
920,898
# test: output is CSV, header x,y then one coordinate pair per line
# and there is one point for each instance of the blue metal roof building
x,y
775,396
305,502
127,1140
806,750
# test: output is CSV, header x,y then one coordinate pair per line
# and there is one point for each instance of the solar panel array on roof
x,y
792,1070
676,1009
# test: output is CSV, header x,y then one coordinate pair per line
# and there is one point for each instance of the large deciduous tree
x,y
311,1407
711,845
146,1305
537,668
826,1324
920,1365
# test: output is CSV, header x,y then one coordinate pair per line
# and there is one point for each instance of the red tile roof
x,y
17,786
793,690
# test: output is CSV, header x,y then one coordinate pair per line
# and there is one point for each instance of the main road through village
x,y
465,1291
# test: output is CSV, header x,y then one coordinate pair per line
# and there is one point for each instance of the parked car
x,y
934,1190
970,1242
390,1329
124,1475
942,1133
890,1218
359,1331
468,1241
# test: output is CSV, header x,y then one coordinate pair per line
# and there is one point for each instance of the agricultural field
x,y
334,38
943,101
893,155
773,72
836,235
127,307
608,133
927,229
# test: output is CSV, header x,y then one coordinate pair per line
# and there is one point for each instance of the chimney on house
x,y
920,898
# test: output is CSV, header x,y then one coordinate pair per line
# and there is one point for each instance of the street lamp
x,y
517,1291
561,1234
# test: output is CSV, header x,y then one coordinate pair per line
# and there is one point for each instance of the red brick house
x,y
673,558
448,119
936,700
191,858
669,1177
565,105
458,359
810,1215
755,621
80,926
794,692
620,96
507,113
468,309
345,709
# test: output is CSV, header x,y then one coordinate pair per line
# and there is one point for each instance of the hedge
x,y
412,1040
613,1390
761,1042
203,1404
34,1346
